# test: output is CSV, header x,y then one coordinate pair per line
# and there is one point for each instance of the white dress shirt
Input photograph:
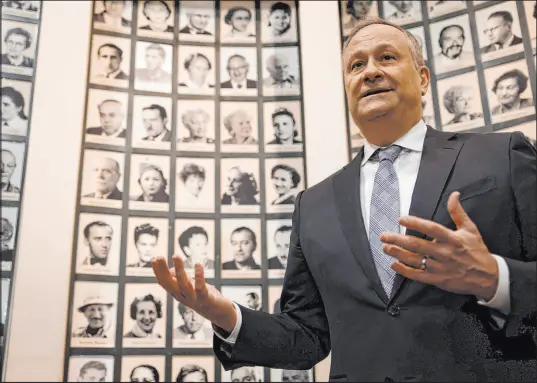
x,y
406,166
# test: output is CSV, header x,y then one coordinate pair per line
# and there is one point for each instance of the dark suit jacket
x,y
332,298
187,30
492,47
274,263
166,138
27,62
99,130
99,17
250,84
116,195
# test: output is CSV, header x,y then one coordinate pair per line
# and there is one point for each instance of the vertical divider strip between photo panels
x,y
25,140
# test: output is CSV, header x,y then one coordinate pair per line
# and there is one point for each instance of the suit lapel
x,y
437,161
347,192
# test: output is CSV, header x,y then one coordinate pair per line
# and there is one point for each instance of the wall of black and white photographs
x,y
20,27
481,55
208,168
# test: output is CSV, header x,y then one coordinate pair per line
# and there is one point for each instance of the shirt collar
x,y
412,140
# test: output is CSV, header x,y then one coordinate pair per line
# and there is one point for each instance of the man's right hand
x,y
201,297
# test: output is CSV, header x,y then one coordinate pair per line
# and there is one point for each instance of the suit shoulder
x,y
320,189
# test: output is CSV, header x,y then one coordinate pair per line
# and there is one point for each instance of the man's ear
x,y
425,76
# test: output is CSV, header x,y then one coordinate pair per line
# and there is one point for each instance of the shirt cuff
x,y
231,338
501,300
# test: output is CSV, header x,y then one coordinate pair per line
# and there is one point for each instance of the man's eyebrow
x,y
381,46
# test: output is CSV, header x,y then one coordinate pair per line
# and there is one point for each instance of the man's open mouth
x,y
375,91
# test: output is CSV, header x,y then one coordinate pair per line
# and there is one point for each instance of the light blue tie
x,y
385,211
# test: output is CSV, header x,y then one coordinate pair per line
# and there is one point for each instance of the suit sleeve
x,y
523,286
298,337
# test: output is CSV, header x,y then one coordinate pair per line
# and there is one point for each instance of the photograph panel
x,y
402,12
195,185
190,329
98,244
196,70
282,126
102,179
21,8
442,7
91,368
15,106
195,242
144,315
419,34
94,314
152,122
149,182
281,71
9,235
238,71
527,128
244,374
278,22
18,47
196,125
237,22
193,368
156,19
106,117
284,179
12,168
239,127
113,16
278,241
154,65
143,368
530,8
240,185
197,21
291,375
241,248
249,297
110,61
354,10
274,294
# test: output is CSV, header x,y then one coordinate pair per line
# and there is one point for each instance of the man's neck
x,y
381,132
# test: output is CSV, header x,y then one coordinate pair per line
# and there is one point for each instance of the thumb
x,y
457,213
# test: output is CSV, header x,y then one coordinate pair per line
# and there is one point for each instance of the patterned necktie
x,y
384,213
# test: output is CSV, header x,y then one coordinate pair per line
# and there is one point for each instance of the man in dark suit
x,y
415,262
198,19
112,115
155,119
500,32
237,68
106,175
282,238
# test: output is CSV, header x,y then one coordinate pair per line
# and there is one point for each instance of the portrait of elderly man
x,y
240,188
499,31
146,237
92,371
196,121
253,301
198,18
6,235
112,117
458,100
14,120
145,311
193,178
280,77
155,122
109,59
406,11
239,126
508,89
157,13
197,66
295,376
96,309
238,68
112,14
191,373
285,130
17,41
98,236
154,72
144,373
194,243
452,56
105,173
243,244
282,239
193,326
285,180
9,163
245,374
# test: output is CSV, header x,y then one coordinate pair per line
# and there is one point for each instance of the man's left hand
x,y
457,260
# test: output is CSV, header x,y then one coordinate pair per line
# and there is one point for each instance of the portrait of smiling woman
x,y
279,22
238,24
145,311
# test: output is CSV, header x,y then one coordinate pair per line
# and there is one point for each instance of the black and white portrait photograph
x,y
278,240
237,22
18,47
195,243
8,237
110,61
427,108
452,44
282,121
355,135
460,102
190,329
527,128
149,182
98,244
195,185
152,122
246,296
196,125
239,127
274,294
498,28
244,374
281,72
102,179
156,18
22,8
286,376
196,70
197,21
94,314
144,315
15,106
509,91
354,10
106,119
442,7
284,178
403,11
143,368
419,34
238,71
113,16
154,63
193,368
241,248
278,22
12,167
91,368
240,185
147,238
530,8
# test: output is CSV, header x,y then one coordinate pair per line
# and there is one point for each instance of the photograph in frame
x,y
147,238
196,125
278,241
15,106
190,329
152,122
91,368
98,244
196,70
18,47
102,179
94,314
241,248
195,243
291,375
106,117
240,185
284,179
530,8
25,8
110,61
250,297
149,182
239,130
274,295
354,10
195,185
197,21
238,71
144,316
527,128
12,168
438,8
237,22
403,12
278,22
143,368
156,19
281,71
419,34
244,374
282,122
153,67
9,236
113,16
193,368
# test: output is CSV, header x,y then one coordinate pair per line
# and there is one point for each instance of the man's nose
x,y
372,71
